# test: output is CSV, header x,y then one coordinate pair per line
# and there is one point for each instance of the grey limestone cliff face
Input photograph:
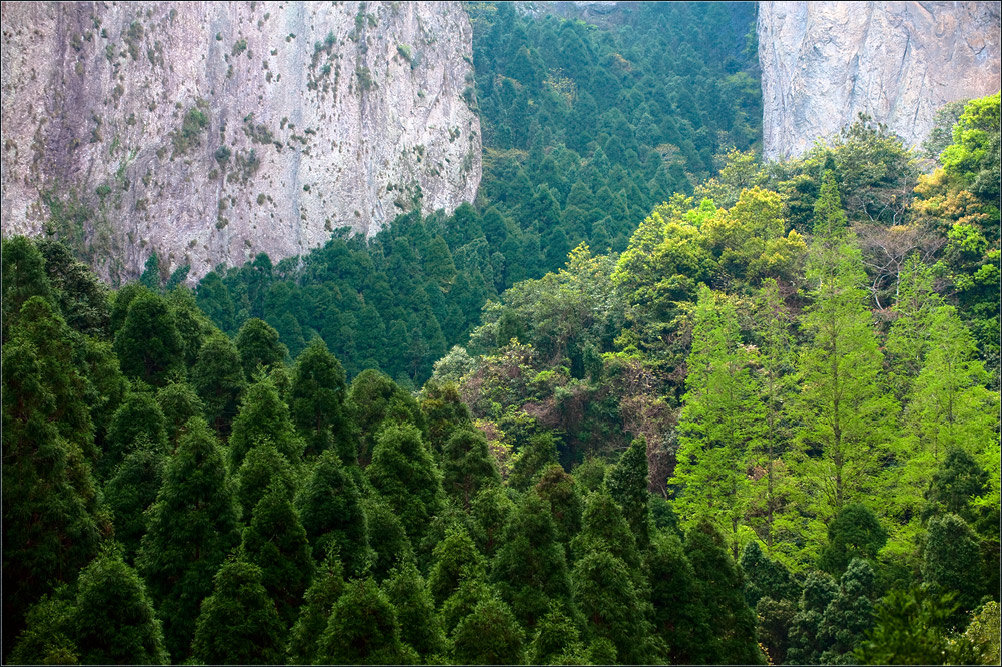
x,y
899,62
210,132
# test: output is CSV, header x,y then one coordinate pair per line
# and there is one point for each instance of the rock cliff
x,y
824,62
210,132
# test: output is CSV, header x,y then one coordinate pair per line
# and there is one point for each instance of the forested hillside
x,y
649,400
573,154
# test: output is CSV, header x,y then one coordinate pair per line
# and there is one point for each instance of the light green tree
x,y
908,339
722,420
775,374
949,405
848,418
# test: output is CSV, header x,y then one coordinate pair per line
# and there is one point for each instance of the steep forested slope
x,y
758,422
710,448
573,153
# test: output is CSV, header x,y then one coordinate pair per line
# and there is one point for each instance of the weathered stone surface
x,y
316,116
824,62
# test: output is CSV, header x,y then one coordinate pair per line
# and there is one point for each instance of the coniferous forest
x,y
647,400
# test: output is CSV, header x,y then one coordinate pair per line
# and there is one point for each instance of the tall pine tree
x,y
848,417
721,420
192,526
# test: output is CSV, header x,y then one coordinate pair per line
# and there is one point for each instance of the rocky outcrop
x,y
210,132
899,62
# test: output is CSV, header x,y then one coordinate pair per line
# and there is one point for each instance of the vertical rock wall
x,y
824,62
214,131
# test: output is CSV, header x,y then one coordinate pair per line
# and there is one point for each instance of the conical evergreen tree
x,y
420,625
720,591
331,511
131,491
258,345
855,533
24,277
437,261
387,538
957,482
444,412
56,349
193,327
627,484
604,529
238,623
765,577
557,640
951,562
316,402
49,530
179,403
471,592
489,636
122,300
114,622
373,398
560,490
678,616
327,587
531,461
805,647
911,628
849,616
192,526
276,542
148,344
139,418
404,473
489,513
605,594
467,466
48,636
530,569
107,386
363,629
455,559
775,618
218,377
263,467
263,414
213,298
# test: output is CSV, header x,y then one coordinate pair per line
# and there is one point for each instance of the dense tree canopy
x,y
646,400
